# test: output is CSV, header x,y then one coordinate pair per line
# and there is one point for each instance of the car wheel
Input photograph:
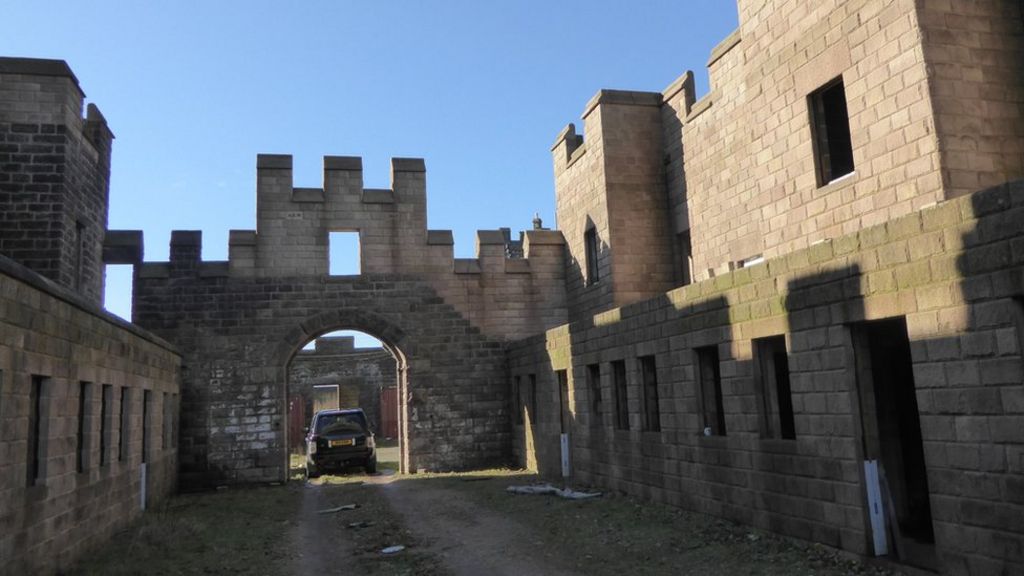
x,y
311,471
371,465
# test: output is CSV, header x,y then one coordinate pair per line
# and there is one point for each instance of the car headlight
x,y
312,446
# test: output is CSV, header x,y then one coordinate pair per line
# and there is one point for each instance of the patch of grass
x,y
237,531
617,535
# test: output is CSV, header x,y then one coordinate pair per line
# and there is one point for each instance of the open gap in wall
x,y
343,254
343,405
117,290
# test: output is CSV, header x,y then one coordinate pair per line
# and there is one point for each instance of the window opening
x,y
590,242
776,397
105,399
344,254
833,147
563,400
82,451
710,383
122,446
517,399
621,395
35,430
649,377
685,258
534,417
117,289
594,385
147,399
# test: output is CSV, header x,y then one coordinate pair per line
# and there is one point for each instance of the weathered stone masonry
x,y
87,401
239,323
934,97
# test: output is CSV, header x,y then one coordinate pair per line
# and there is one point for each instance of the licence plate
x,y
348,442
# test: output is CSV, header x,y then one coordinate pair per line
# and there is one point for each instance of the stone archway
x,y
392,338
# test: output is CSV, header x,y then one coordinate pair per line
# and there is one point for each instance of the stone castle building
x,y
796,302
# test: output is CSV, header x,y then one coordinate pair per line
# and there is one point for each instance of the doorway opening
x,y
345,369
895,468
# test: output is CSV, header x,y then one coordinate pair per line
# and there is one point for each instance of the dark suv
x,y
339,438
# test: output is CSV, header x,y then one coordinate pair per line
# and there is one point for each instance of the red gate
x,y
389,413
296,423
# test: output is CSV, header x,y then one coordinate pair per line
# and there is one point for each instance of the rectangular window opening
x,y
82,451
165,435
710,386
649,377
105,399
517,399
563,400
594,385
534,417
621,395
36,446
775,395
344,254
590,242
117,289
147,409
174,421
830,121
122,446
685,258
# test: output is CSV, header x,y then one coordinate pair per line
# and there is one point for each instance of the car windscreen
x,y
347,422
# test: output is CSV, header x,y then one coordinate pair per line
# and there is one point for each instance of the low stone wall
x,y
954,273
71,465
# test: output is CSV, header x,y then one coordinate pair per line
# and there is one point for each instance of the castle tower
x,y
54,175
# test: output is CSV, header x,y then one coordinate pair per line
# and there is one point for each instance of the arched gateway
x,y
239,323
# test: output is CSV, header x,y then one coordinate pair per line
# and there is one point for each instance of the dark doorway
x,y
892,437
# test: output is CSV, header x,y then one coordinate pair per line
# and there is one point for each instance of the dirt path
x,y
466,539
318,540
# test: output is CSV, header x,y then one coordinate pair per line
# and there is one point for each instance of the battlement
x,y
55,161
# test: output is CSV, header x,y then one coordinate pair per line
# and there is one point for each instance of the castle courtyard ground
x,y
449,524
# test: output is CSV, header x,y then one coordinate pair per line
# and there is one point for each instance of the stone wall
x,y
954,272
55,175
504,297
361,373
239,334
975,51
57,340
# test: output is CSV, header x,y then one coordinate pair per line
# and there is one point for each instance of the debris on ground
x,y
338,509
363,524
549,489
392,549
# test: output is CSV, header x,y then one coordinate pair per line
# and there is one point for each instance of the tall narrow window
x,y
710,384
534,417
833,147
649,376
685,257
776,398
594,385
621,395
35,430
123,445
517,400
174,420
562,376
590,243
82,451
343,254
105,399
147,409
165,438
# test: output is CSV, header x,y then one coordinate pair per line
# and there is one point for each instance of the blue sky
x,y
194,90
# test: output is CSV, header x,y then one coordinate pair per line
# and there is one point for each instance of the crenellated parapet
x,y
506,291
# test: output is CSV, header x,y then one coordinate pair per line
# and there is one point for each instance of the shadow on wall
x,y
890,374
